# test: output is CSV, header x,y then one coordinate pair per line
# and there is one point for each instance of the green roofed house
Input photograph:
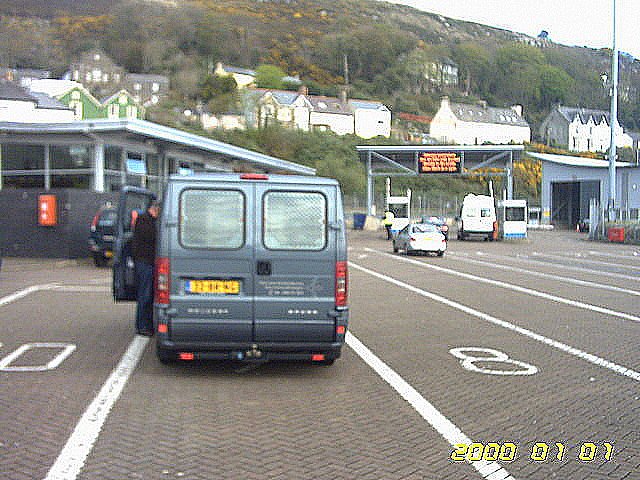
x,y
121,105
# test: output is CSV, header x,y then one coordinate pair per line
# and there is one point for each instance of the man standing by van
x,y
144,256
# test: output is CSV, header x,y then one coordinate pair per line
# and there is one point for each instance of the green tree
x,y
269,76
215,85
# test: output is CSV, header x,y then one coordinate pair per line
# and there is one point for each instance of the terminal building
x,y
570,183
84,165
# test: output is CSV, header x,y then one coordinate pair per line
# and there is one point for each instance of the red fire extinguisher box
x,y
47,210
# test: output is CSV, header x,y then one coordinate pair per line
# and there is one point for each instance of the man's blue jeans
x,y
144,311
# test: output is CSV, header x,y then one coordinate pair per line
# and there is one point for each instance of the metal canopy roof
x,y
574,161
153,135
403,160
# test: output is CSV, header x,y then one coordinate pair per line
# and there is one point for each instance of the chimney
x,y
517,109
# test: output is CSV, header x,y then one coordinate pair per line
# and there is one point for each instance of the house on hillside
x,y
102,76
466,124
122,105
147,89
84,104
97,71
299,110
19,105
72,94
442,73
581,130
243,76
23,76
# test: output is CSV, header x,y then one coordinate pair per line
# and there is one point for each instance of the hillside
x,y
388,48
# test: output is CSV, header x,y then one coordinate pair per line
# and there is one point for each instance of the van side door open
x,y
133,202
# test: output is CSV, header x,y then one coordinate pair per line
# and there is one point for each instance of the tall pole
x,y
612,123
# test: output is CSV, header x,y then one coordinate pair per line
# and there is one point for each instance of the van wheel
x,y
165,356
395,248
440,253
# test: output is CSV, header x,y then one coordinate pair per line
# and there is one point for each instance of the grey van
x,y
248,267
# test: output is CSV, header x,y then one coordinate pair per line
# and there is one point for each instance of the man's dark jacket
x,y
144,239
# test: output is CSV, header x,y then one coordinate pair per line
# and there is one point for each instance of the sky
x,y
569,22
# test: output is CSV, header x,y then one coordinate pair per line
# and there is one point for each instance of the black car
x,y
439,222
101,235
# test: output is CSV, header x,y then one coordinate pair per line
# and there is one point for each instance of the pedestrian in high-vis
x,y
387,221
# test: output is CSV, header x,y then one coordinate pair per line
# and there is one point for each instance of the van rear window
x,y
295,220
212,219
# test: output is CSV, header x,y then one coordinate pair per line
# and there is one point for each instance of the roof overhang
x,y
574,161
149,133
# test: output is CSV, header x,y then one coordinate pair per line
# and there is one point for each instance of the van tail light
x,y
412,239
162,280
341,284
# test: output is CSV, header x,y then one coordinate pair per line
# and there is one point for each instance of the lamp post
x,y
613,118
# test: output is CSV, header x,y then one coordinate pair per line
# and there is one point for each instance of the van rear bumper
x,y
246,351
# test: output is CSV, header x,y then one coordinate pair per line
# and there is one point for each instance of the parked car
x,y
439,222
583,225
101,235
420,237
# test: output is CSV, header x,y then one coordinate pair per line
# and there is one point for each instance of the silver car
x,y
420,237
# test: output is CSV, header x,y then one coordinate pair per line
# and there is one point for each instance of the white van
x,y
477,216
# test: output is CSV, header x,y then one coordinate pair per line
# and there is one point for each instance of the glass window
x,y
71,181
399,210
212,219
295,221
112,157
485,212
514,214
22,157
23,181
74,156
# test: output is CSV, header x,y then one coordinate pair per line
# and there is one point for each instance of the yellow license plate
x,y
108,253
218,287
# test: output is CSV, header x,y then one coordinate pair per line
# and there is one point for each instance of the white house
x,y
371,119
581,130
20,106
299,110
465,124
243,76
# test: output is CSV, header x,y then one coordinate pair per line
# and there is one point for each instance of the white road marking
x,y
584,259
575,281
72,457
526,259
601,362
49,287
444,426
66,350
469,361
19,294
516,288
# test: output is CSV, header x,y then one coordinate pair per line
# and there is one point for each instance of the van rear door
x,y
211,250
295,262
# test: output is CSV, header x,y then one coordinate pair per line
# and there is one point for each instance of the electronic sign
x,y
445,162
